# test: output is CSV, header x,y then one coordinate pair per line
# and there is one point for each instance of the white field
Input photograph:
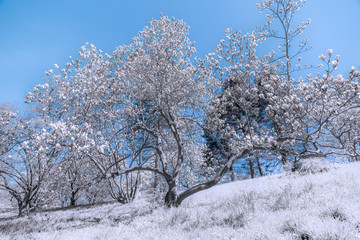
x,y
322,206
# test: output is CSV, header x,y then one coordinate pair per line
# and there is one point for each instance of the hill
x,y
320,205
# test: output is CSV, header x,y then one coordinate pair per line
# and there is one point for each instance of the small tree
x,y
26,166
296,119
159,72
81,105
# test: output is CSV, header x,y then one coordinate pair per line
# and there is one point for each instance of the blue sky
x,y
36,34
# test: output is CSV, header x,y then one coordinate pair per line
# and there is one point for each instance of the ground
x,y
320,205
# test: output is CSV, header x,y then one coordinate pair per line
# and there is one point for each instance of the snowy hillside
x,y
323,205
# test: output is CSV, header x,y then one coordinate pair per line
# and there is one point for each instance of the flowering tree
x,y
26,165
82,105
264,108
165,100
259,90
328,115
309,118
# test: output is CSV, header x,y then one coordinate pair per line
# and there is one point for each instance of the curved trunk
x,y
206,185
171,197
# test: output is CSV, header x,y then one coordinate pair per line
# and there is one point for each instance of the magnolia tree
x,y
328,118
264,108
258,90
26,166
72,182
165,103
83,107
310,117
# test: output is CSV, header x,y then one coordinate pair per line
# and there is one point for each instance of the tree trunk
x,y
171,196
252,170
73,199
232,174
259,165
208,184
24,206
156,176
20,209
73,193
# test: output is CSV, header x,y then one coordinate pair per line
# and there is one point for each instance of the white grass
x,y
6,207
322,205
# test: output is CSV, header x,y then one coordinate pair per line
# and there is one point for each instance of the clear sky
x,y
36,34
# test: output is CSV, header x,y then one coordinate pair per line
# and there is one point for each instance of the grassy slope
x,y
6,209
314,206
